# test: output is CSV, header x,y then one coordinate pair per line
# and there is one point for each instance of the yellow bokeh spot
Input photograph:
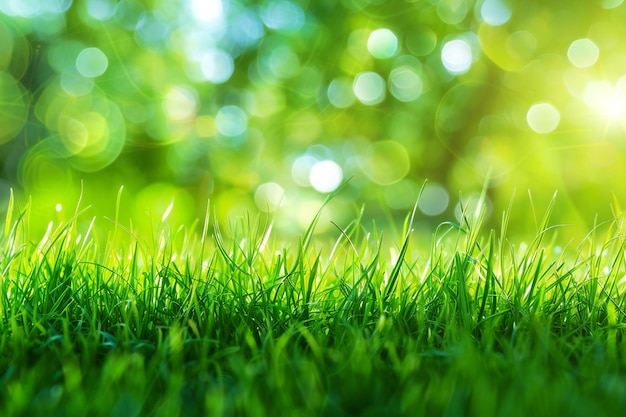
x,y
75,135
265,102
84,134
180,103
205,126
90,130
98,134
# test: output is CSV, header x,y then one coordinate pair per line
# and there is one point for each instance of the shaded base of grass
x,y
364,375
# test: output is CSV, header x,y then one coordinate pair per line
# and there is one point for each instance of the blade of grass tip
x,y
546,217
309,231
219,242
488,277
266,235
344,234
112,242
395,272
270,225
618,214
167,212
616,206
478,216
308,290
80,199
205,228
542,226
7,222
504,222
532,208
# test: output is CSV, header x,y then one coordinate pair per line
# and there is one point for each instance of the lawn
x,y
322,278
220,320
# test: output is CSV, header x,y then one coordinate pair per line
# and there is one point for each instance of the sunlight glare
x,y
207,11
326,176
456,56
606,99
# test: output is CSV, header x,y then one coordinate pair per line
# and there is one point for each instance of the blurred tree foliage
x,y
258,104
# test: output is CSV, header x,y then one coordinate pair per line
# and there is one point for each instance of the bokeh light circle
x,y
325,176
543,117
283,62
495,12
369,88
94,134
217,66
231,121
180,103
301,169
74,84
269,196
405,84
340,93
91,62
100,9
434,199
456,56
32,9
583,53
382,43
452,12
283,15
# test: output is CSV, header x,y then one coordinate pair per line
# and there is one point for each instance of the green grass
x,y
100,321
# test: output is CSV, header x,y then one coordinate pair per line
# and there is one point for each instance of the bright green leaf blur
x,y
267,106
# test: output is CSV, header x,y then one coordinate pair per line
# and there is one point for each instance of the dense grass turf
x,y
186,321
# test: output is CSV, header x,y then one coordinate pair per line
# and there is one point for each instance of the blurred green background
x,y
261,106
